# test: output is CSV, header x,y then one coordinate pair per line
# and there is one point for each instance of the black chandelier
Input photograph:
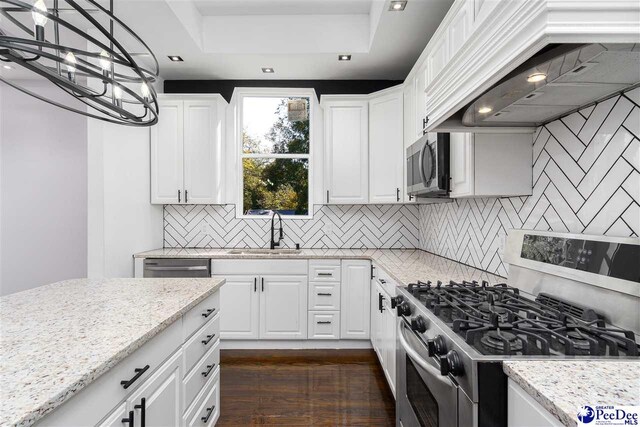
x,y
84,55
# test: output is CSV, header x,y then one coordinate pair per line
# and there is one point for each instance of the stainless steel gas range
x,y
567,296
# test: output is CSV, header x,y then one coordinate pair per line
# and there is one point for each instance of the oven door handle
x,y
416,357
421,163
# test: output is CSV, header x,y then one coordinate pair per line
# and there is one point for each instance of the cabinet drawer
x,y
207,411
203,340
206,368
324,296
200,314
324,325
324,270
387,283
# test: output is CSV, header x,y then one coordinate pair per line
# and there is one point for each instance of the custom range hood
x,y
558,80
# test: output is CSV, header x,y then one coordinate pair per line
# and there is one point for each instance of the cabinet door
x,y
462,170
283,307
376,322
421,83
346,162
355,299
386,149
167,154
389,320
240,320
161,394
115,418
438,56
202,151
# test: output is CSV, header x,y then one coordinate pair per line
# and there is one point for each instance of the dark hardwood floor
x,y
304,387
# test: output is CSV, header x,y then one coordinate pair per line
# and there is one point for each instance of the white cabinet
x,y
490,165
355,299
158,398
422,79
524,411
386,148
383,331
283,307
346,150
242,320
186,150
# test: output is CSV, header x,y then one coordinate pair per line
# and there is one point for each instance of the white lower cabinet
x,y
383,328
161,388
242,319
324,325
524,411
283,307
354,299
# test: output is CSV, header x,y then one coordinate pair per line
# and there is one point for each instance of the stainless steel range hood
x,y
569,77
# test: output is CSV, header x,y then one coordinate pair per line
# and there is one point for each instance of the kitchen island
x,y
59,339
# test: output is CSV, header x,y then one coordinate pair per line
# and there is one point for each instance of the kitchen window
x,y
275,153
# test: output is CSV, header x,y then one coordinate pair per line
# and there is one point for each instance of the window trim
x,y
273,93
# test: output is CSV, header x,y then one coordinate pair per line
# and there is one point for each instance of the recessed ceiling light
x,y
536,77
176,58
485,110
344,57
397,5
268,70
6,67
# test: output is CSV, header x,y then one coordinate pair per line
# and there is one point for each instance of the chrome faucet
x,y
281,235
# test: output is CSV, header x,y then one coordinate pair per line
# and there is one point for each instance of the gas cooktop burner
x,y
499,320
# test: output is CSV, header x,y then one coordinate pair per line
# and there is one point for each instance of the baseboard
x,y
292,344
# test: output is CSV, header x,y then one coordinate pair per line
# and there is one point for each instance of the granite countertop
x,y
99,322
403,265
562,387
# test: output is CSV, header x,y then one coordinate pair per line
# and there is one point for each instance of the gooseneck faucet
x,y
281,234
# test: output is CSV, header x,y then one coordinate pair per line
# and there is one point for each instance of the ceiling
x,y
300,39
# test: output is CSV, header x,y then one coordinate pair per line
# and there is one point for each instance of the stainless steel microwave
x,y
428,166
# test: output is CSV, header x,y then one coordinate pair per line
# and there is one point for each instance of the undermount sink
x,y
264,251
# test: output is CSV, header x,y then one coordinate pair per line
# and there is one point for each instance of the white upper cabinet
x,y
346,123
187,150
486,164
386,148
167,176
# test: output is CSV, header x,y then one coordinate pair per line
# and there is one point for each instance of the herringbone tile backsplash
x,y
344,226
586,180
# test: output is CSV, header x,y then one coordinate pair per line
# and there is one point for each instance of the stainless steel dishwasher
x,y
177,267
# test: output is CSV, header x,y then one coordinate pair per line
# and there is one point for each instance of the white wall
x,y
121,219
43,193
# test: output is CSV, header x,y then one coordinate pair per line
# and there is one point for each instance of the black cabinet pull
x,y
128,420
255,284
380,299
143,409
262,281
186,195
327,196
325,274
208,371
324,294
178,196
139,371
383,281
208,313
208,415
397,194
208,340
324,322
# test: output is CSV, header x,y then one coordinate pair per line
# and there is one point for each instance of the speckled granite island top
x,y
404,265
58,338
564,386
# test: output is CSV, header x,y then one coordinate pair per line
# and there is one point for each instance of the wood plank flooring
x,y
303,388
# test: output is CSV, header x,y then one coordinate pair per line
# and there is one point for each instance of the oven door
x,y
424,397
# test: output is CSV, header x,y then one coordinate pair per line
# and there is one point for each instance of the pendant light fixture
x,y
73,44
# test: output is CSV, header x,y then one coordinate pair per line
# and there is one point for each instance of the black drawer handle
x,y
139,372
208,340
208,313
324,294
324,322
209,412
128,420
383,281
143,409
208,371
325,274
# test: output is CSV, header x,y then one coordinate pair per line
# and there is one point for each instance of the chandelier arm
x,y
74,110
